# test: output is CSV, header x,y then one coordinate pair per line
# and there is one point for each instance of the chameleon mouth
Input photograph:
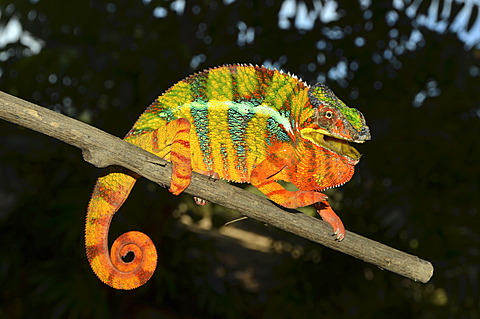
x,y
336,145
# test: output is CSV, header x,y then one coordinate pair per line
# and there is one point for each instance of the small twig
x,y
235,220
102,149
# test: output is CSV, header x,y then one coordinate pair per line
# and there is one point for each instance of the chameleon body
x,y
239,123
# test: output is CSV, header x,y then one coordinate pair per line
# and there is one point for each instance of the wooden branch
x,y
102,149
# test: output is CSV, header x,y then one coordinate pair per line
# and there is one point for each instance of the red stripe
x,y
155,142
179,157
174,185
95,250
277,192
180,176
262,184
184,143
185,130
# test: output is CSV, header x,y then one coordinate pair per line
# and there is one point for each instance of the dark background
x,y
410,67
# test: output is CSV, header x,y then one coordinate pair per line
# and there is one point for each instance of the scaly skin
x,y
239,123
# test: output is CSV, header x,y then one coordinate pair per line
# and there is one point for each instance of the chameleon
x,y
240,123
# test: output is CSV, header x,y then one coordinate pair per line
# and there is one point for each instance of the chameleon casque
x,y
240,123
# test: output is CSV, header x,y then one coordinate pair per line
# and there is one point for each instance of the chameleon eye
x,y
328,114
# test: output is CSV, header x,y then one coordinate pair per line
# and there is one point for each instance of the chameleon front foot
x,y
328,215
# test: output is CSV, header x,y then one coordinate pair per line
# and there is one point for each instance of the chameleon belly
x,y
241,123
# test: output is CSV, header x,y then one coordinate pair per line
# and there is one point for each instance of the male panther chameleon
x,y
240,123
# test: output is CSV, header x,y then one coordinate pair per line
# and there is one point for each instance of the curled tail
x,y
108,196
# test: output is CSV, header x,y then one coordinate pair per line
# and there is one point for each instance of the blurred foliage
x,y
411,67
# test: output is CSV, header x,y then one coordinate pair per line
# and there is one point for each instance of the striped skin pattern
x,y
239,123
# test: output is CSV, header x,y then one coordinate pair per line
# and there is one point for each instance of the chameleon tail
x,y
108,196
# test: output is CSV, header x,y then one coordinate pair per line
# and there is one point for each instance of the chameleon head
x,y
334,123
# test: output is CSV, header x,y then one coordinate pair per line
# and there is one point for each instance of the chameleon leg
x,y
171,142
328,215
178,133
263,177
108,196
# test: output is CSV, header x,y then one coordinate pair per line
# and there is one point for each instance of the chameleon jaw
x,y
336,145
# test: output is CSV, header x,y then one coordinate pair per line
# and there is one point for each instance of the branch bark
x,y
102,149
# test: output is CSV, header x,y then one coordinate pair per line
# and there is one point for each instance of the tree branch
x,y
102,149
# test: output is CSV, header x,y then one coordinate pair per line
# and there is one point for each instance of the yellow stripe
x,y
299,112
247,80
100,207
130,282
256,140
279,90
94,233
145,141
99,268
176,96
219,84
220,137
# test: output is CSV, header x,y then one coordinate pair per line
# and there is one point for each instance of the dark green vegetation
x,y
415,189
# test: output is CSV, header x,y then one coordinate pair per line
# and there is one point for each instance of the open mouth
x,y
336,145
339,146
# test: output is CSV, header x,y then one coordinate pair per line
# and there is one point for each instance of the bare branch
x,y
102,149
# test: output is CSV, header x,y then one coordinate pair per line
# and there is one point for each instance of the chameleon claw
x,y
339,235
214,176
200,201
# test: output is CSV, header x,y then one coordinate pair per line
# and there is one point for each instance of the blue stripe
x,y
237,126
167,115
276,132
201,124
